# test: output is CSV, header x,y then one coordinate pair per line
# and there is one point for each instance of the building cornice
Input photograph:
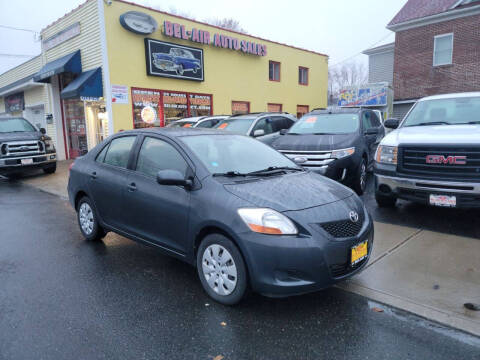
x,y
433,19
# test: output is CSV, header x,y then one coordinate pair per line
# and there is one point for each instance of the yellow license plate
x,y
359,252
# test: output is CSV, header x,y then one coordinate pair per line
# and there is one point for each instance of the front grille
x,y
343,228
413,161
22,148
313,159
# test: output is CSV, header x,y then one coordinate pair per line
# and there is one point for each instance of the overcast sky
x,y
338,28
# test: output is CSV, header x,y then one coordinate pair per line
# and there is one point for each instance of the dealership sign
x,y
365,95
173,61
62,36
138,22
204,37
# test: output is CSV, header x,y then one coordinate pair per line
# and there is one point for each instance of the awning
x,y
68,63
87,84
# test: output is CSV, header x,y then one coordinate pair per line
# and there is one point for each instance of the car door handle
x,y
93,175
132,187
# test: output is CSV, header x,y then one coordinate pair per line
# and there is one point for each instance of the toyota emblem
x,y
353,216
300,160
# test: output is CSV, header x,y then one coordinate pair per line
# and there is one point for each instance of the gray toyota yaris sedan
x,y
245,215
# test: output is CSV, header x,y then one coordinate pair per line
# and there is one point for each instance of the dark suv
x,y
265,127
339,144
23,147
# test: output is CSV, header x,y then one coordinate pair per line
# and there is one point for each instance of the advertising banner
x,y
365,95
174,61
14,102
119,94
147,111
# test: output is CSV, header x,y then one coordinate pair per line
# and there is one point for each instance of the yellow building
x,y
107,67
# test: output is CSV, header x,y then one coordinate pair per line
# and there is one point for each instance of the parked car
x,y
218,201
24,147
262,126
178,60
434,155
198,121
339,144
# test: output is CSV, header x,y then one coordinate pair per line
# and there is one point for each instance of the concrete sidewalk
x,y
427,273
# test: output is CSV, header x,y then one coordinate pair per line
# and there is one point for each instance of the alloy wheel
x,y
86,218
219,269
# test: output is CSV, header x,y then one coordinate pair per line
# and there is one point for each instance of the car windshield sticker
x,y
187,125
311,120
223,126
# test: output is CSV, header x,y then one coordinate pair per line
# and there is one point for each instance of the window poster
x,y
147,111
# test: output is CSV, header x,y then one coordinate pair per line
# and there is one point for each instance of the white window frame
x,y
435,48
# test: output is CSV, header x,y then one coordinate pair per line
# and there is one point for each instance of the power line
x,y
17,55
359,53
18,29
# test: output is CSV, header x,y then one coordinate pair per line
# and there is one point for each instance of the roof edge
x,y
432,19
379,49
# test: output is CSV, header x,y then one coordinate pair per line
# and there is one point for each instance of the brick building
x,y
436,51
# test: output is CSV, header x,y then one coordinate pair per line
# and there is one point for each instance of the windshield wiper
x,y
230,174
274,170
430,123
469,123
323,134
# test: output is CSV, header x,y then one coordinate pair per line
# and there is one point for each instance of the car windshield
x,y
235,153
240,125
15,125
461,110
326,124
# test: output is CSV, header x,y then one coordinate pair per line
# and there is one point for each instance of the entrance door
x,y
76,128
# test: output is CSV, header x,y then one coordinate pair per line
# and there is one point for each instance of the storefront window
x,y
301,110
147,111
200,105
175,106
74,115
274,107
240,107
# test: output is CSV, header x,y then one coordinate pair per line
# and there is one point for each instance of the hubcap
x,y
219,269
86,218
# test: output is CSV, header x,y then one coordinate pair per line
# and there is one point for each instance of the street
x,y
62,297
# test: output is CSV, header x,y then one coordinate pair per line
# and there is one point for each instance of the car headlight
x,y
49,145
267,221
387,154
339,154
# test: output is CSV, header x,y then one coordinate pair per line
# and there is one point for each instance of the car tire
x,y
88,220
50,169
360,180
180,70
221,269
385,201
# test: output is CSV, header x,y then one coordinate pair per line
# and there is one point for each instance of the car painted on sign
x,y
178,60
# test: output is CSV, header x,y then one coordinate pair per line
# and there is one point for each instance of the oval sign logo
x,y
138,22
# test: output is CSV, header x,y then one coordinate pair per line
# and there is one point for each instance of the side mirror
x,y
259,132
173,177
391,123
283,131
43,131
372,131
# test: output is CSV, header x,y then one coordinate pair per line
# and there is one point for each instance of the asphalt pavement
x,y
64,298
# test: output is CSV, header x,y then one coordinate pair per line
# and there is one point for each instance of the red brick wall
x,y
414,73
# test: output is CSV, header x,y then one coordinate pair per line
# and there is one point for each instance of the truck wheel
x,y
360,181
221,269
88,220
50,169
385,201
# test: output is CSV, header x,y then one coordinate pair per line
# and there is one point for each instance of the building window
x,y
274,107
303,75
240,107
443,49
273,71
301,110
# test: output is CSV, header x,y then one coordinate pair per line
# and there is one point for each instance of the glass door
x,y
74,115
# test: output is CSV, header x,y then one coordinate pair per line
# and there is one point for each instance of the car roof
x,y
451,96
176,132
349,110
258,114
191,119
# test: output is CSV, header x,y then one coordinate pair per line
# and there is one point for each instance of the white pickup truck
x,y
433,156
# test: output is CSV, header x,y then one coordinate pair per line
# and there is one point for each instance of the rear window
x,y
326,124
450,111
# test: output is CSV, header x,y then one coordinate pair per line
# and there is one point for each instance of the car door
x,y
265,124
372,132
158,213
109,177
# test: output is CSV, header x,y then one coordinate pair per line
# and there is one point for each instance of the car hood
x,y
19,136
314,142
435,134
294,191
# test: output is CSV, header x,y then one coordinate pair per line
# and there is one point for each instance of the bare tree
x,y
227,23
343,76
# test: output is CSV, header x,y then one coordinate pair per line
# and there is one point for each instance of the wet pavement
x,y
62,297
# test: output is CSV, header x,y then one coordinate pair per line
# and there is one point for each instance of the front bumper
x,y
418,190
342,170
14,164
282,266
